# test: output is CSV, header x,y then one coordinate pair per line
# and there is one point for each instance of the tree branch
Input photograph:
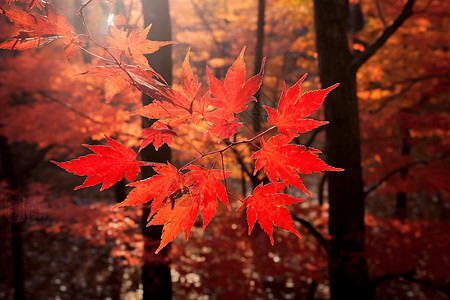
x,y
380,14
399,169
390,276
409,276
390,174
361,58
411,83
320,238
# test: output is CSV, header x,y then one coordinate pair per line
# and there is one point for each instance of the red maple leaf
x,y
39,30
223,125
158,134
284,161
162,188
206,186
267,206
175,108
109,165
38,3
134,44
117,79
294,107
231,98
177,217
234,95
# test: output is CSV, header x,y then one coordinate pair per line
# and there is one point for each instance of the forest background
x,y
61,244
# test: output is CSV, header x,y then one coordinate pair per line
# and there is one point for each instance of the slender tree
x,y
156,278
337,63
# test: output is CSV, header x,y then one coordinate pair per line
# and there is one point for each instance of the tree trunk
x,y
347,264
257,107
401,199
15,217
156,279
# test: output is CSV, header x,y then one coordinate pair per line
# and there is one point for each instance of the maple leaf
x,y
166,185
109,165
234,95
176,108
282,161
117,79
38,3
267,206
189,80
224,125
206,185
39,30
231,98
134,44
294,107
175,218
158,134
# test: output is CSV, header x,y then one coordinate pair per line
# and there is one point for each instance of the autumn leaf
x,y
118,79
109,164
162,188
294,107
231,98
134,44
176,197
205,184
189,80
284,161
234,95
223,125
158,134
174,218
175,107
32,3
267,206
39,30
38,3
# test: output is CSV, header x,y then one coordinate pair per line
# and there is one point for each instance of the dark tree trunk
x,y
347,264
401,203
156,279
15,217
257,107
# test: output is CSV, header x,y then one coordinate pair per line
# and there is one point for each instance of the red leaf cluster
x,y
176,195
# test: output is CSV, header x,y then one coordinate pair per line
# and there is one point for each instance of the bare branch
x,y
402,168
389,30
70,107
380,14
411,83
392,173
320,238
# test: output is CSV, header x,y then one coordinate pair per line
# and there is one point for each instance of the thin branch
x,y
412,82
70,107
199,13
321,188
228,147
390,276
320,238
313,135
425,9
380,14
409,276
392,173
389,30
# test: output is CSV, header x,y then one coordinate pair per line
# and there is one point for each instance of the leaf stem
x,y
221,151
190,144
